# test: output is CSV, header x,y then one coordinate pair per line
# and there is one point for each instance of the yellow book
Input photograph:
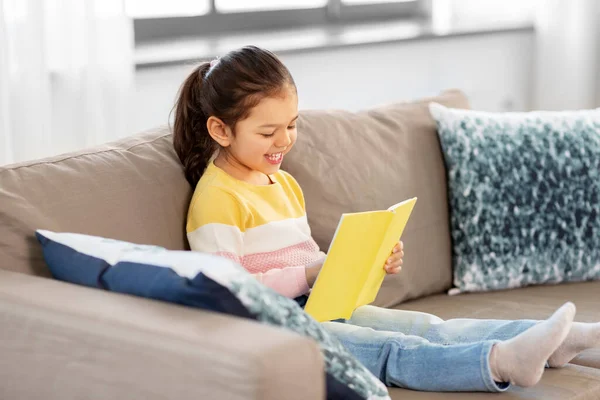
x,y
354,268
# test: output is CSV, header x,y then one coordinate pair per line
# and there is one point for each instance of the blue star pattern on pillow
x,y
204,281
523,191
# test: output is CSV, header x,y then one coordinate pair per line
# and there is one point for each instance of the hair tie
x,y
214,62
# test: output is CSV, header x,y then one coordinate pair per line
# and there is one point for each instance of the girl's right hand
x,y
312,271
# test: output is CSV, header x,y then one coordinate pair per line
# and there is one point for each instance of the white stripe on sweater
x,y
270,237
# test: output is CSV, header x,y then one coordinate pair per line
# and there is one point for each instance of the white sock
x,y
521,360
582,336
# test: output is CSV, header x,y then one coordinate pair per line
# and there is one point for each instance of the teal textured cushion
x,y
523,192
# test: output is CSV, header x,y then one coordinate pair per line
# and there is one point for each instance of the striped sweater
x,y
261,227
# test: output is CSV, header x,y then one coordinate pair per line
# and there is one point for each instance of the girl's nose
x,y
285,142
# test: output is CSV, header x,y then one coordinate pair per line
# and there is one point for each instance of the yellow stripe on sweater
x,y
222,199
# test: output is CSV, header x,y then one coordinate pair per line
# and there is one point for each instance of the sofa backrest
x,y
132,189
370,160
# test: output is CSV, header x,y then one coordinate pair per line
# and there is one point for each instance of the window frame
x,y
215,23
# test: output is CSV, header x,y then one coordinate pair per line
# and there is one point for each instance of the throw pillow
x,y
203,281
523,192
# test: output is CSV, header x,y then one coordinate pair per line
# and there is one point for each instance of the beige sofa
x,y
62,341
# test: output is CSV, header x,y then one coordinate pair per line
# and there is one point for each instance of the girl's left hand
x,y
393,264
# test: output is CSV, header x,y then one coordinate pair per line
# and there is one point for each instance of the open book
x,y
354,268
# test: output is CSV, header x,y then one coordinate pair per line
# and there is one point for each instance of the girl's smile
x,y
274,158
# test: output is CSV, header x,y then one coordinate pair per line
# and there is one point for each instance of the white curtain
x,y
66,75
566,73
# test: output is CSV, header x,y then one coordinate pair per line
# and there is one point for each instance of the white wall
x,y
494,70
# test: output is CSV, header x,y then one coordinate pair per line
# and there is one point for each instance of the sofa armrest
x,y
63,341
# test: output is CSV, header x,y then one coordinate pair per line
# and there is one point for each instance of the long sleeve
x,y
214,225
290,282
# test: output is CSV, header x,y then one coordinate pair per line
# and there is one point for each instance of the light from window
x,y
184,8
228,6
472,11
161,8
358,2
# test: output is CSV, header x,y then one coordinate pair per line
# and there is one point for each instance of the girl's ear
x,y
219,131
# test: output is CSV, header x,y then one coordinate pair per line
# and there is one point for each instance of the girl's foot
x,y
582,336
521,360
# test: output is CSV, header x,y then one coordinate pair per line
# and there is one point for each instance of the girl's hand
x,y
312,271
393,264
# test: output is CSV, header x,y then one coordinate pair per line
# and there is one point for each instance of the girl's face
x,y
262,139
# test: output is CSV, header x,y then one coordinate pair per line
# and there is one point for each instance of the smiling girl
x,y
235,121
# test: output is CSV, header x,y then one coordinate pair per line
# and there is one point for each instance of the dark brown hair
x,y
227,90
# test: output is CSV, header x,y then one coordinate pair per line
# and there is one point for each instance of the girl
x,y
235,121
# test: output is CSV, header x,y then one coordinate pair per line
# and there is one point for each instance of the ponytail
x,y
226,88
191,140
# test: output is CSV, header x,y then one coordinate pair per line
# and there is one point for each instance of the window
x,y
372,1
227,6
160,8
160,19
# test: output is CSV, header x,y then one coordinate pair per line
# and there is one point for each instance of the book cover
x,y
354,268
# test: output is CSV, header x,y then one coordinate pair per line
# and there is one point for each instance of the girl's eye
x,y
292,127
267,134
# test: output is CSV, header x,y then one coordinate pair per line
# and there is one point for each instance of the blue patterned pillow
x,y
524,191
203,281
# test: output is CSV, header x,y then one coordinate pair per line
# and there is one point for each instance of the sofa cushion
x,y
370,160
133,189
579,380
573,382
63,341
523,190
203,281
534,302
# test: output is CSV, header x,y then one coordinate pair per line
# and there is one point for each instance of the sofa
x,y
63,341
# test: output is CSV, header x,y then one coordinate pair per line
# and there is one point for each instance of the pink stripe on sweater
x,y
289,280
299,254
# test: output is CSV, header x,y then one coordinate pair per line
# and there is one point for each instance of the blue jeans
x,y
420,351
